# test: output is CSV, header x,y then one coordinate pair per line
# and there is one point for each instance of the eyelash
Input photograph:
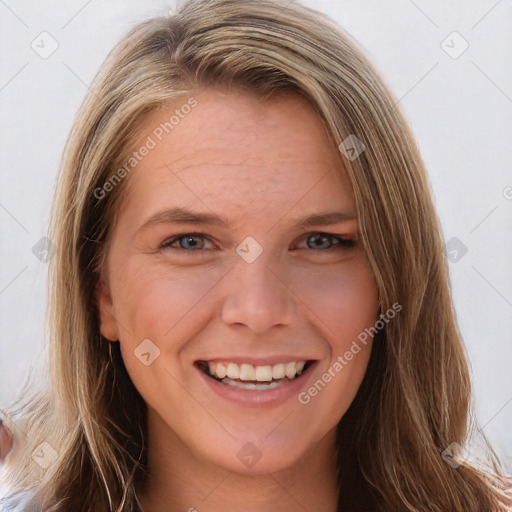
x,y
344,243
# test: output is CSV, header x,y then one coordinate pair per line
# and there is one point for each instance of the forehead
x,y
232,151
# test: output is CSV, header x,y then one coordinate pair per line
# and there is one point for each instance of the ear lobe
x,y
106,319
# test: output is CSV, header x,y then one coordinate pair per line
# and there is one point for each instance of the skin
x,y
260,165
6,443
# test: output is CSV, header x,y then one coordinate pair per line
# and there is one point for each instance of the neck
x,y
182,481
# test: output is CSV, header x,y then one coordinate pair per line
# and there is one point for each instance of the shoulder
x,y
18,502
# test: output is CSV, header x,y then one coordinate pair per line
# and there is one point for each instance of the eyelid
x,y
327,233
166,243
343,241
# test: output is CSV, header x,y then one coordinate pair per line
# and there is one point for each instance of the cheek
x,y
345,303
344,300
167,307
156,303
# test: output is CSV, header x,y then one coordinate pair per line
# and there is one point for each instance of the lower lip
x,y
253,397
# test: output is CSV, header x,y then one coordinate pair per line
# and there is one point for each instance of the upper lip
x,y
257,361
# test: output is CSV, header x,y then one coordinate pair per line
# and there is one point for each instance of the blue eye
x,y
192,242
320,239
186,241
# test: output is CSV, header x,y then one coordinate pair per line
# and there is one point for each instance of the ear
x,y
106,318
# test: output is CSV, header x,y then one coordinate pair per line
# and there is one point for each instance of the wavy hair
x,y
415,399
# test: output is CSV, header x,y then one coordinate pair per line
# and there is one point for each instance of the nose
x,y
258,297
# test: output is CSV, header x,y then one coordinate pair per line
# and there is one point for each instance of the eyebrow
x,y
188,216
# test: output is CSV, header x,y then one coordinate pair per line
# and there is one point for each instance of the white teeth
x,y
290,370
250,385
233,371
248,372
278,371
221,370
264,373
300,367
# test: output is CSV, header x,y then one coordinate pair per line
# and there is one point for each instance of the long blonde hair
x,y
415,399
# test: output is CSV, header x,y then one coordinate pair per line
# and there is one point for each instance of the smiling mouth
x,y
259,378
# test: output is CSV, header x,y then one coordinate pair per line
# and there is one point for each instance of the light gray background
x,y
460,110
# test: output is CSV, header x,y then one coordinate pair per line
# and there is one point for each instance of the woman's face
x,y
214,268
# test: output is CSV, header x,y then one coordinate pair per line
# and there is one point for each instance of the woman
x,y
207,357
